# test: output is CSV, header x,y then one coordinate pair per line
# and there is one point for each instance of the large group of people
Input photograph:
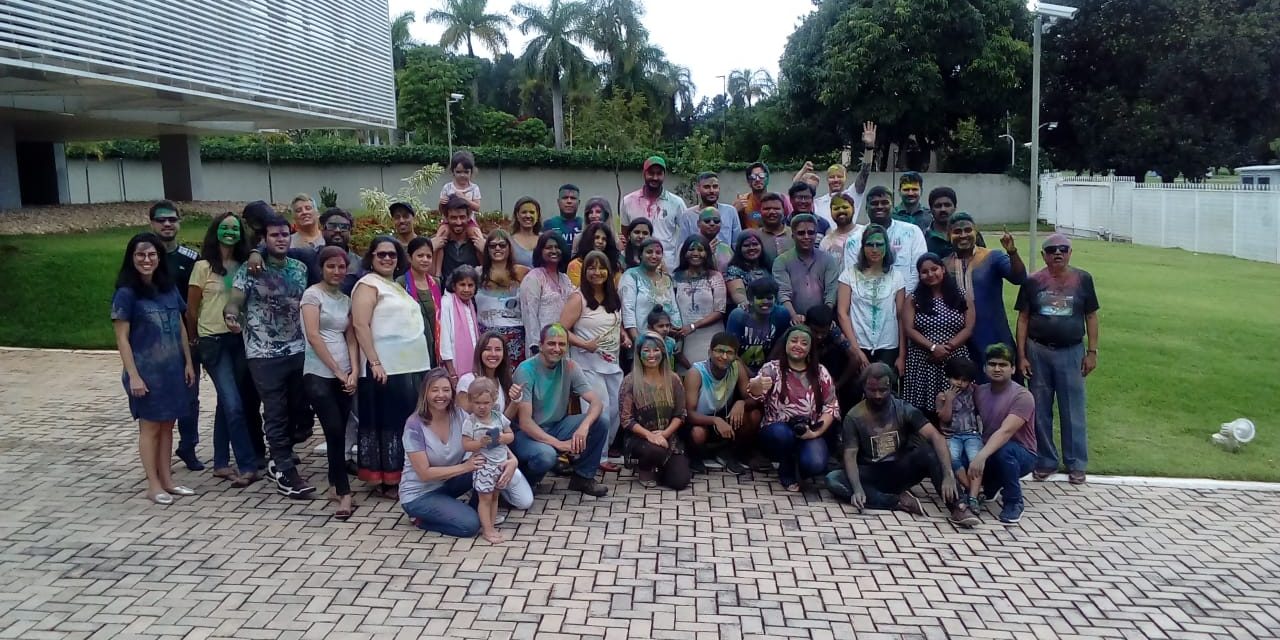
x,y
777,334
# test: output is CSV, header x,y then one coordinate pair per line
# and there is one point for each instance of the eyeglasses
x,y
1057,248
147,256
337,226
385,255
873,245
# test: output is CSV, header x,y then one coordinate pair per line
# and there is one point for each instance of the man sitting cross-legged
x,y
881,461
546,430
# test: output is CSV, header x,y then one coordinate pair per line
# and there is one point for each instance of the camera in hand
x,y
800,425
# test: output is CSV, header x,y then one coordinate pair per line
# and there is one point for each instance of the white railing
x,y
1235,220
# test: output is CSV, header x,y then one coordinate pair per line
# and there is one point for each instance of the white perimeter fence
x,y
1234,220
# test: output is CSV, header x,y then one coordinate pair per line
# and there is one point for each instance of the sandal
x,y
648,478
342,515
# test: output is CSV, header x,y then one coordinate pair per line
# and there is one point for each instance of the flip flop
x,y
343,514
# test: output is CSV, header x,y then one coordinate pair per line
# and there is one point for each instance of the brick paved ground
x,y
84,555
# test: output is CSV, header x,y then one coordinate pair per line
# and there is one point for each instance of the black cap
x,y
401,205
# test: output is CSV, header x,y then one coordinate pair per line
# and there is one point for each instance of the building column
x,y
180,167
10,185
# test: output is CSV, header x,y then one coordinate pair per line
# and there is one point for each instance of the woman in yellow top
x,y
602,240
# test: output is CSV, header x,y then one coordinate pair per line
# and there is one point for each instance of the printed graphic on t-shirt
x,y
1055,303
884,444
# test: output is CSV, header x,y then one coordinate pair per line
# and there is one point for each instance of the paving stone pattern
x,y
83,554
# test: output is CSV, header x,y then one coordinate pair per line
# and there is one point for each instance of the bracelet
x,y
933,347
1093,351
375,364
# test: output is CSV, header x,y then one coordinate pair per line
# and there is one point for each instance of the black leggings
x,y
332,405
672,468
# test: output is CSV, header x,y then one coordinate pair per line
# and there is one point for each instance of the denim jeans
x,y
1055,374
442,512
882,482
807,457
1005,469
536,458
279,383
189,425
963,447
223,357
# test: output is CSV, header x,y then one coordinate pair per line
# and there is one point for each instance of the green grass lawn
x,y
1188,342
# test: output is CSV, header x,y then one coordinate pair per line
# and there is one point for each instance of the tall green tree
x,y
466,20
747,85
401,41
555,52
424,84
1174,86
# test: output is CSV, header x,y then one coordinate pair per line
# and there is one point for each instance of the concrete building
x,y
176,69
1261,176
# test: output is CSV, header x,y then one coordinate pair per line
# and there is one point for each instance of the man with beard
x,y
255,215
801,196
709,224
660,207
708,186
937,236
1057,307
403,218
274,345
981,272
774,229
336,226
748,205
905,239
165,222
457,243
756,327
884,456
842,210
568,224
910,187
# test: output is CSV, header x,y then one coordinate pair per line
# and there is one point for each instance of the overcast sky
x,y
711,37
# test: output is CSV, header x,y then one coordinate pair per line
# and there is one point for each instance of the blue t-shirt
x,y
569,228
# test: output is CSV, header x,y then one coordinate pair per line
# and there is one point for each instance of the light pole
x,y
448,117
1013,144
1041,10
724,118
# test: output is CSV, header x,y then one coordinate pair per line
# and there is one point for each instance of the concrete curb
x,y
1173,483
96,352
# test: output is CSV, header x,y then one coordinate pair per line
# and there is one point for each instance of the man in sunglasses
x,y
1057,307
336,226
166,223
806,277
748,204
708,187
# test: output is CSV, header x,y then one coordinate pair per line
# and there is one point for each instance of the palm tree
x,y
615,28
748,84
466,19
401,41
555,52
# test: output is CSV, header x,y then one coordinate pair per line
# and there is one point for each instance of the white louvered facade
x,y
211,64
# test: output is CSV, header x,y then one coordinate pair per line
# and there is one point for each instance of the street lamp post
x,y
1041,10
448,117
724,118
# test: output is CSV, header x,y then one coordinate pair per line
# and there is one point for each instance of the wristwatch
x,y
933,347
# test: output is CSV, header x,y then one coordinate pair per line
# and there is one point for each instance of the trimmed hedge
x,y
238,150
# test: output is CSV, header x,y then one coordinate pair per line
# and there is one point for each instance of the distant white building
x,y
1261,176
175,69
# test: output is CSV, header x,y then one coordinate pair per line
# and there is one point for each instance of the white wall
x,y
991,198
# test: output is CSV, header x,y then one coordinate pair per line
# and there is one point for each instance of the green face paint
x,y
229,231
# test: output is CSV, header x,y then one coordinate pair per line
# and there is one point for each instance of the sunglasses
x,y
386,255
756,177
337,226
711,220
1057,248
166,220
501,244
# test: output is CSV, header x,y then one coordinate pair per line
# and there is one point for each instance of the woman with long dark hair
x,y
498,298
593,319
938,321
596,236
390,331
492,362
800,406
225,248
526,223
646,286
641,229
545,288
869,303
146,313
700,296
750,263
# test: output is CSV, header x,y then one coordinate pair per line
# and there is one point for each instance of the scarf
x,y
964,274
464,346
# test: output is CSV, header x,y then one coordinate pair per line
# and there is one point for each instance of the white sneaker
x,y
500,518
321,449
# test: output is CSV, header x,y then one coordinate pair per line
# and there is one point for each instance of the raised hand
x,y
1007,242
868,134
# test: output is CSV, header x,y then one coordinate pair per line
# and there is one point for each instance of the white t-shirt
x,y
472,192
335,316
476,430
664,213
873,308
822,205
907,243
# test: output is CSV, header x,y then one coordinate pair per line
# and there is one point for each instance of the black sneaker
x,y
588,486
731,464
1011,513
272,472
190,459
290,483
696,465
